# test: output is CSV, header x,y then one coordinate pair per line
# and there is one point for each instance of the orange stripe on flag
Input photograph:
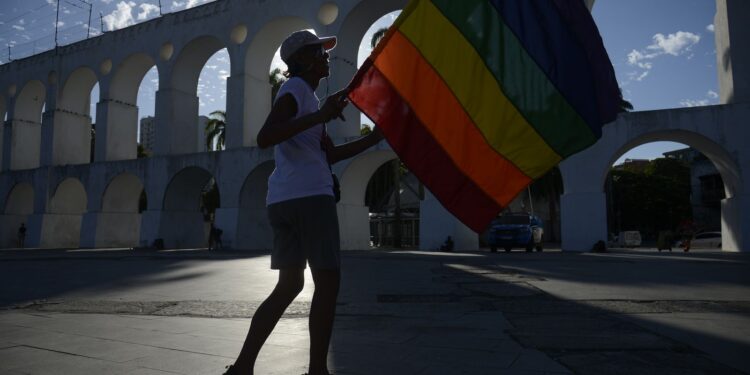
x,y
444,117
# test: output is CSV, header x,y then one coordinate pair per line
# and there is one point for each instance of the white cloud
x,y
19,28
120,17
711,28
693,103
146,10
177,4
192,3
674,44
223,74
712,94
107,1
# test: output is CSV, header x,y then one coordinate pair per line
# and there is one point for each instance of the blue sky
x,y
662,50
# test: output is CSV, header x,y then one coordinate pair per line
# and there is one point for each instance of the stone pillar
x,y
436,224
735,223
235,106
257,104
71,136
732,33
583,218
354,226
48,127
176,121
26,138
6,139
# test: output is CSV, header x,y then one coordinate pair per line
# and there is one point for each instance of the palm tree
x,y
276,79
216,130
378,36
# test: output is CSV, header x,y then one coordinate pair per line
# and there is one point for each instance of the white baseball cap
x,y
302,38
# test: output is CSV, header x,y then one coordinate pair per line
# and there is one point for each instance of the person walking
x,y
21,235
300,201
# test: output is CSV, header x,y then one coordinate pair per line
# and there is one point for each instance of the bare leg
x,y
322,313
268,314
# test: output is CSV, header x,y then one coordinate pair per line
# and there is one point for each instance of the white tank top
x,y
301,165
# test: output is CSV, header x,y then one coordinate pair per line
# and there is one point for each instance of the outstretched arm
x,y
349,149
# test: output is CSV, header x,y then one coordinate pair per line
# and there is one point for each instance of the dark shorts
x,y
305,230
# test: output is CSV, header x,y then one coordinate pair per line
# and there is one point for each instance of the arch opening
x,y
61,227
132,89
212,101
258,58
119,221
189,96
190,201
18,206
73,126
26,125
672,198
253,229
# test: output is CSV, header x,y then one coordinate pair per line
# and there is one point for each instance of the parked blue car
x,y
516,230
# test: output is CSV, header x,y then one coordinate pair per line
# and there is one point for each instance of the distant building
x,y
706,188
148,134
633,165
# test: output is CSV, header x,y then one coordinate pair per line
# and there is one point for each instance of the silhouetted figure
x,y
300,201
214,238
447,245
21,235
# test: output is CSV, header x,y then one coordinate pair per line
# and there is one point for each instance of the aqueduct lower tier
x,y
47,181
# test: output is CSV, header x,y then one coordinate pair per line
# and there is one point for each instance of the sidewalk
x,y
399,313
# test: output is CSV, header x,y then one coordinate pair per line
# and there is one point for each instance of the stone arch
x,y
71,142
122,108
183,223
61,226
257,62
344,57
18,206
184,84
354,221
27,126
583,205
119,222
253,229
728,169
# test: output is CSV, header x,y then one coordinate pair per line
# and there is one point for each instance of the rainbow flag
x,y
480,97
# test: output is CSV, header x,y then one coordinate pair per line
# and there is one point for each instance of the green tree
x,y
650,200
377,37
216,130
365,129
276,79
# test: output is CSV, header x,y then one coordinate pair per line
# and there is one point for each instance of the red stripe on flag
x,y
408,137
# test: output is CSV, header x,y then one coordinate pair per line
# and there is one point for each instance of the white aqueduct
x,y
48,182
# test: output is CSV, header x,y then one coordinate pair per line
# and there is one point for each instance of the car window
x,y
512,219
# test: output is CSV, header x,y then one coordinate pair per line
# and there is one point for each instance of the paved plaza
x,y
400,312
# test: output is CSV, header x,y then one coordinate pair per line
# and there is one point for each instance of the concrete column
x,y
110,229
26,137
735,223
176,122
583,218
72,144
235,106
436,224
6,139
354,226
46,151
732,33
